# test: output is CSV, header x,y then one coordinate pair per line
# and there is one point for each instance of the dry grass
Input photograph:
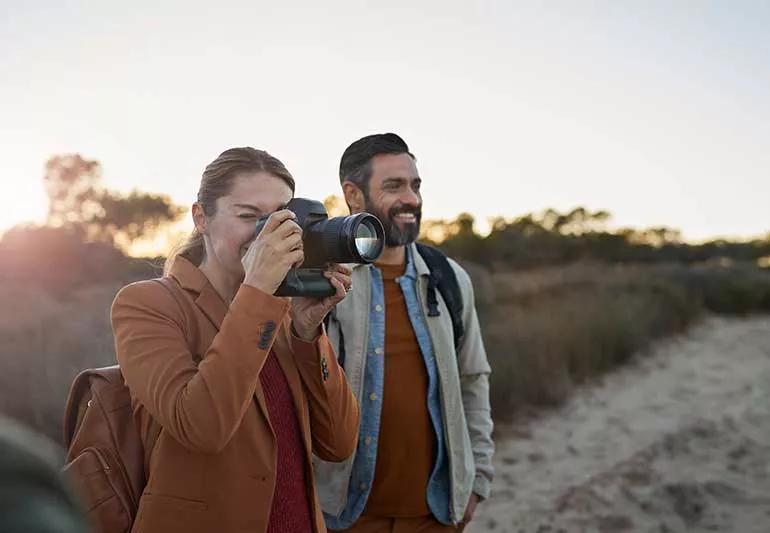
x,y
549,330
541,346
546,331
44,343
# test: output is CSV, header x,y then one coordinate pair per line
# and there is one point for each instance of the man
x,y
424,456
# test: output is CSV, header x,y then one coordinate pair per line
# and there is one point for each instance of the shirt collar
x,y
415,264
410,271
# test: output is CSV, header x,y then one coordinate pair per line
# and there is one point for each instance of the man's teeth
x,y
406,216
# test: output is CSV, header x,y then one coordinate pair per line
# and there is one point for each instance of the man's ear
x,y
354,197
199,218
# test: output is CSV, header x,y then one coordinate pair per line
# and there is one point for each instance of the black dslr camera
x,y
357,238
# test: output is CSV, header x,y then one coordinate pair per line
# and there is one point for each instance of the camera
x,y
358,238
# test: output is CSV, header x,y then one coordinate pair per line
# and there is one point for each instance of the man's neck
x,y
393,255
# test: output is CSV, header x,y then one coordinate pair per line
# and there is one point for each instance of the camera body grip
x,y
306,282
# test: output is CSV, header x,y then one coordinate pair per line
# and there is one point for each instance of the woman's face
x,y
231,230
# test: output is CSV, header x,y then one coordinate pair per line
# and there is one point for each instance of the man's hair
x,y
356,162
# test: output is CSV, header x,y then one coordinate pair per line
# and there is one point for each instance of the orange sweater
x,y
406,445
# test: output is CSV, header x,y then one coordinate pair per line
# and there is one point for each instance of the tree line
x,y
89,227
551,237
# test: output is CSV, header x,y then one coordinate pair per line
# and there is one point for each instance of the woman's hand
x,y
308,313
277,248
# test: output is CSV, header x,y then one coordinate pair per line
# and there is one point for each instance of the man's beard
x,y
394,235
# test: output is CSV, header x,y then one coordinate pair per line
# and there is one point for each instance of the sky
x,y
658,111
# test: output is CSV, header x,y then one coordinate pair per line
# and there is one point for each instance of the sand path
x,y
677,441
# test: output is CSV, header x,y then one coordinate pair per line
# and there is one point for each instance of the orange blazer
x,y
192,366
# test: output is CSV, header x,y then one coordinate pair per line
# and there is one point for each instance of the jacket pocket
x,y
169,514
103,490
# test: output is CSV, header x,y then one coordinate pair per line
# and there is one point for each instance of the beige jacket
x,y
464,385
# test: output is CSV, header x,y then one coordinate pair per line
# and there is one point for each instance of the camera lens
x,y
358,238
365,237
368,244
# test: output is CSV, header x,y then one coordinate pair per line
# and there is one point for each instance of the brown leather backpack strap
x,y
81,386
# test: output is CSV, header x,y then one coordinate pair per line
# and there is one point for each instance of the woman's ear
x,y
199,218
354,197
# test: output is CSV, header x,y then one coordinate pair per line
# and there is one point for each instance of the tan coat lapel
x,y
211,304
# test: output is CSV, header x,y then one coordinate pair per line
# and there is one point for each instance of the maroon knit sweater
x,y
290,512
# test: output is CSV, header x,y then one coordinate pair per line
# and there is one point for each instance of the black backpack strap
x,y
443,277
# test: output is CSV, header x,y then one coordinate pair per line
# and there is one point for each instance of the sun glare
x,y
161,242
14,214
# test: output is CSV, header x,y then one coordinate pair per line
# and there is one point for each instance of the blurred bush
x,y
561,299
46,339
548,331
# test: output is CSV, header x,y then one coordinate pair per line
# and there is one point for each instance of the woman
x,y
232,387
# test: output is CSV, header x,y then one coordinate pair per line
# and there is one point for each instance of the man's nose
x,y
411,198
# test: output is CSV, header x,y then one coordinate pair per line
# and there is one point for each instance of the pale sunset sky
x,y
658,111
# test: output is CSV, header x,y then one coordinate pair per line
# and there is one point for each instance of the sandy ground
x,y
677,441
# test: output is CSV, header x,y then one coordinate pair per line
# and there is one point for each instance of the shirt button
x,y
373,397
378,350
368,441
378,307
362,486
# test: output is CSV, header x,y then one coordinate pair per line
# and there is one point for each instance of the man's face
x,y
394,197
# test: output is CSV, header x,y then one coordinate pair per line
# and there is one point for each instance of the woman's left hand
x,y
308,313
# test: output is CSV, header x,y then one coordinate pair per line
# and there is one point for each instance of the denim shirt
x,y
438,491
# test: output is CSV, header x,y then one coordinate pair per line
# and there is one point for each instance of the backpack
x,y
105,456
443,278
106,460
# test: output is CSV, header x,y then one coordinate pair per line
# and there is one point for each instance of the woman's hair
x,y
216,182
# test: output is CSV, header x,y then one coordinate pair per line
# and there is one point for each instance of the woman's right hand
x,y
276,249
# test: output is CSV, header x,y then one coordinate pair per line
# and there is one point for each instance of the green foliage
x,y
132,216
78,201
553,238
69,182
